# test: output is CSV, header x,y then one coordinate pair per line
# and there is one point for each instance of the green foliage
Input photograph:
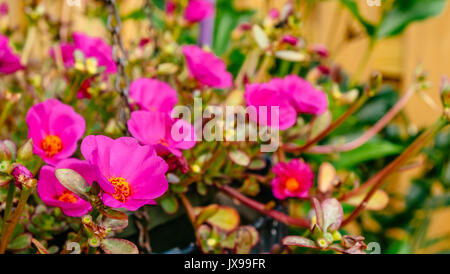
x,y
397,18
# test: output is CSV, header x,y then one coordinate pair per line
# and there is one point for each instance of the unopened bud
x,y
445,92
5,152
25,152
374,83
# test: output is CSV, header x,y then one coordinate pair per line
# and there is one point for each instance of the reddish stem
x,y
378,179
276,215
369,133
354,107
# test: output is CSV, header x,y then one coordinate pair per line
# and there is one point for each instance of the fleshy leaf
x,y
332,214
114,224
290,55
169,204
240,158
203,213
299,241
244,241
319,212
226,219
21,242
327,177
378,201
118,246
320,123
73,181
260,37
114,214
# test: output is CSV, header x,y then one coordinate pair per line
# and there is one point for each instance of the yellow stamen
x,y
67,197
292,185
51,145
122,189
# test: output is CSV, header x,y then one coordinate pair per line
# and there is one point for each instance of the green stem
x,y
26,192
9,202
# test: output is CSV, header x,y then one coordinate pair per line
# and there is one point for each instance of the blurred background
x,y
331,23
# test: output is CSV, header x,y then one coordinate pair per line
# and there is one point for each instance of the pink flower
x,y
91,47
55,129
198,10
304,97
9,62
130,175
53,193
170,7
167,135
269,95
153,95
208,69
293,179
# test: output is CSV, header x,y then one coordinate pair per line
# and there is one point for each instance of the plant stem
x,y
276,215
8,207
26,192
354,107
189,209
369,133
377,180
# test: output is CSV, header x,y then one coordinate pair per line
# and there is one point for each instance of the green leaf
x,y
405,12
113,214
376,148
354,10
118,246
169,204
299,241
21,242
226,219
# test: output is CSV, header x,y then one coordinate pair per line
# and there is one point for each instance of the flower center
x,y
51,145
292,184
163,142
122,188
67,197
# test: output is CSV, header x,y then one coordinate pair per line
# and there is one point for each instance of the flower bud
x,y
445,92
289,39
25,152
22,176
5,152
374,83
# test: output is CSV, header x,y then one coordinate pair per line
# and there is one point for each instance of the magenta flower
x,y
53,193
55,129
167,135
153,95
198,10
9,62
208,69
304,97
269,95
130,175
293,179
91,47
